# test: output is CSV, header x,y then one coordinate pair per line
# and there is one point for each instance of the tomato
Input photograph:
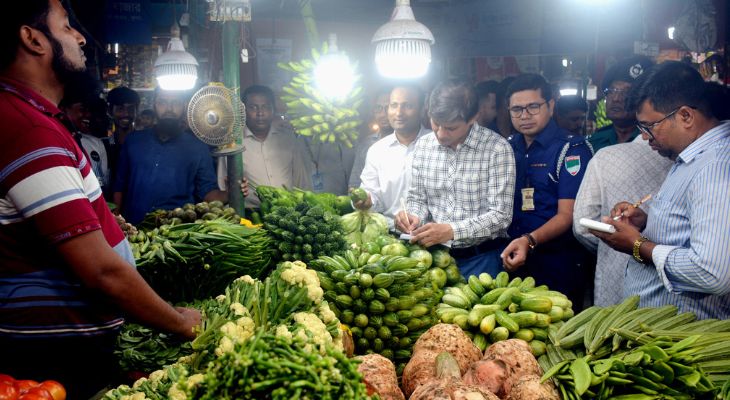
x,y
36,393
6,378
25,384
55,389
8,391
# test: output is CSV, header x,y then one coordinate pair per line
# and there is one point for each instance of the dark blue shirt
x,y
537,167
162,175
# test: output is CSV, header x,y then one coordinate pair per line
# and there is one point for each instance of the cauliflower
x,y
225,346
138,396
158,375
326,314
312,330
139,383
283,331
233,333
195,379
220,298
296,273
238,309
246,279
176,393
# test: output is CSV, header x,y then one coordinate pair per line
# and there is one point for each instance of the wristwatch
x,y
531,242
637,246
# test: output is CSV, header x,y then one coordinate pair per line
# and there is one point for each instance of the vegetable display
x,y
191,261
282,197
304,233
139,348
386,300
361,227
448,385
26,389
287,305
203,211
625,352
495,309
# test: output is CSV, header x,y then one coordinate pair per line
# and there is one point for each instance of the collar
x,y
393,141
472,138
704,142
29,96
549,134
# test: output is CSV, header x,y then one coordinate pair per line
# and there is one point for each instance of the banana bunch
x,y
600,115
311,113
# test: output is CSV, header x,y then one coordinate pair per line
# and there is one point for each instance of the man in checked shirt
x,y
462,183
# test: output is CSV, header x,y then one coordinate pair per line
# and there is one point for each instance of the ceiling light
x,y
334,75
403,45
176,69
670,32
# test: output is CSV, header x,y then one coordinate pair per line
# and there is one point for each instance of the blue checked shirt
x,y
689,219
470,188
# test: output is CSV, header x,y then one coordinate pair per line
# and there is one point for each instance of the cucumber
x,y
539,304
499,333
504,320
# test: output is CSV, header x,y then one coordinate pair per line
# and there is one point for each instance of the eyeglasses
x,y
648,127
615,92
532,109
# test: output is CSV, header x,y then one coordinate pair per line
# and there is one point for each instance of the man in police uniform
x,y
550,166
616,85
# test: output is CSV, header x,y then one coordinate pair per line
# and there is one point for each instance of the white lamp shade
x,y
403,45
176,69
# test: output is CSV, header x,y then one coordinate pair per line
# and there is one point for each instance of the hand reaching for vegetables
x,y
191,319
361,199
244,187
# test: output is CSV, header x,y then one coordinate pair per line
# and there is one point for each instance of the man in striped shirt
x,y
66,271
681,248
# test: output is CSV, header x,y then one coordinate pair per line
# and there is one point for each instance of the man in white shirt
x,y
386,175
273,155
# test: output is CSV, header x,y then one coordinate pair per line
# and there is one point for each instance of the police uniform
x,y
550,169
606,136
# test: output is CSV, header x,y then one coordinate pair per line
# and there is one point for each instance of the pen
x,y
403,206
635,205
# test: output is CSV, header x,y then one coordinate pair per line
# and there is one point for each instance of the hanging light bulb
x,y
176,69
334,75
403,45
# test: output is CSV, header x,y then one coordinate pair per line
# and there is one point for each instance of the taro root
x,y
503,364
528,387
446,384
439,338
379,376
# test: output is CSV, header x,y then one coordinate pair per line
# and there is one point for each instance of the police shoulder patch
x,y
572,165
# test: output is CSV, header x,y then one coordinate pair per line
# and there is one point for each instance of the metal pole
x,y
232,79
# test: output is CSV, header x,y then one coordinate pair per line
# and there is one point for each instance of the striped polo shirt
x,y
689,220
48,194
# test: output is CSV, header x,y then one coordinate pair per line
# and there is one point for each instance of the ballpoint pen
x,y
635,205
403,206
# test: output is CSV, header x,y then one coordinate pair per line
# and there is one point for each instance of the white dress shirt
x,y
281,159
386,175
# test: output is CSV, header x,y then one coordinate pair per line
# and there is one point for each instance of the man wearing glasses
x,y
680,249
617,84
550,166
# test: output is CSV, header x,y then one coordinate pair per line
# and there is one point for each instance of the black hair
x,y
668,86
147,113
453,100
122,95
261,90
420,95
33,13
529,82
484,88
566,104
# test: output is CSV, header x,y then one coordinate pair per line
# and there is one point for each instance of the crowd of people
x,y
500,172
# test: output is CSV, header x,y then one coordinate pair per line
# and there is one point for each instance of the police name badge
x,y
572,165
528,199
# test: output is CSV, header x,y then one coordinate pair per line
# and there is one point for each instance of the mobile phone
x,y
596,225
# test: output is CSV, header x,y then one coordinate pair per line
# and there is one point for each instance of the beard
x,y
168,128
65,71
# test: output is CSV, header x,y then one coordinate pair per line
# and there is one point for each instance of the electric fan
x,y
217,116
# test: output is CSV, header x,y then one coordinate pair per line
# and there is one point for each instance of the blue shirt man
x,y
680,249
550,164
164,167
